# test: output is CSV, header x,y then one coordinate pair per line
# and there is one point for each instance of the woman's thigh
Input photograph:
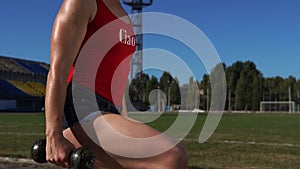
x,y
78,137
129,143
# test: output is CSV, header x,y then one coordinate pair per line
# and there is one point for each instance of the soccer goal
x,y
277,106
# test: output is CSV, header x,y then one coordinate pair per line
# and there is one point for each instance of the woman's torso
x,y
110,40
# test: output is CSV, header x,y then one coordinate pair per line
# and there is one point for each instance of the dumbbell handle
x,y
81,158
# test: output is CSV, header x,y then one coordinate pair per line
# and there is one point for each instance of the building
x,y
22,85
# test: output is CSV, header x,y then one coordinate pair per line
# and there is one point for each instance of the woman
x,y
76,22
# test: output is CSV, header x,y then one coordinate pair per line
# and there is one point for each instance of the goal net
x,y
277,106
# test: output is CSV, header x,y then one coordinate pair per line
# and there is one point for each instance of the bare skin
x,y
67,35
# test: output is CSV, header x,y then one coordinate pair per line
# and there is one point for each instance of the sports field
x,y
240,141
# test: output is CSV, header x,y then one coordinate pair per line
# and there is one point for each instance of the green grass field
x,y
240,141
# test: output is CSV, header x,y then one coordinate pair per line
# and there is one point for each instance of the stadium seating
x,y
26,88
8,90
40,87
45,66
33,67
2,67
9,65
22,82
22,77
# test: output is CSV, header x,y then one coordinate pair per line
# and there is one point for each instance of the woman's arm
x,y
124,111
68,32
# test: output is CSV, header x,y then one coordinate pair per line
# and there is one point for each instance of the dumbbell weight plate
x,y
38,153
82,158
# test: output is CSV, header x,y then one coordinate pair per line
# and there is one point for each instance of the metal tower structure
x,y
136,11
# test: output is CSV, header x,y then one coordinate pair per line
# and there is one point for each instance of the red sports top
x,y
103,62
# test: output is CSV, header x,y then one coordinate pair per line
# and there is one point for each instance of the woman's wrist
x,y
52,133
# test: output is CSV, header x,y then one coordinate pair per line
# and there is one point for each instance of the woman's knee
x,y
176,158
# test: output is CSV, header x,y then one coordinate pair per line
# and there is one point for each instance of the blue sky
x,y
266,32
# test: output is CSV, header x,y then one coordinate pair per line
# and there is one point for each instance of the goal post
x,y
277,106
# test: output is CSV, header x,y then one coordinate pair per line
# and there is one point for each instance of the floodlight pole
x,y
136,17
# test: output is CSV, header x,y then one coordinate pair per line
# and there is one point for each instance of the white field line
x,y
257,143
248,143
191,140
13,133
16,160
18,125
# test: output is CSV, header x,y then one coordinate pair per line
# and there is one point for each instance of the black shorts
x,y
82,99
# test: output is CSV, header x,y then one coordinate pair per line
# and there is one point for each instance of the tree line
x,y
246,88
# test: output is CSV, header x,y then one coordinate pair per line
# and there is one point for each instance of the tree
x,y
248,93
246,88
137,88
218,86
151,85
257,90
165,81
205,87
175,92
233,74
192,96
240,93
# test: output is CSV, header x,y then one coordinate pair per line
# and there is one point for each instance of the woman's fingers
x,y
58,150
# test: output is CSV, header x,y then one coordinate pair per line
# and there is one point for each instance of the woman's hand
x,y
58,149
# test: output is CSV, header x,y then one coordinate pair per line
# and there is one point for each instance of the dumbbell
x,y
81,158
